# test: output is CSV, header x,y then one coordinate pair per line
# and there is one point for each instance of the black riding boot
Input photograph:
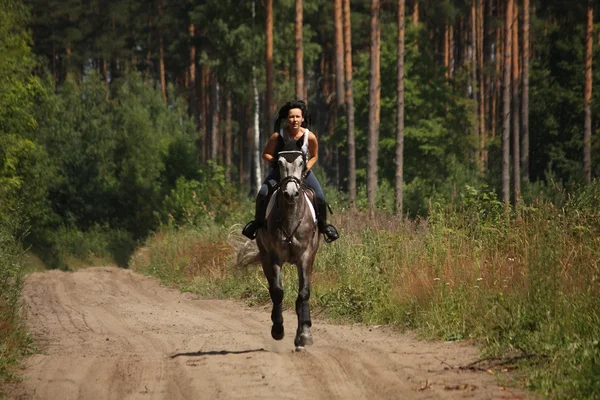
x,y
326,229
259,218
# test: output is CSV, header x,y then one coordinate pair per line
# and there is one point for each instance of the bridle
x,y
300,184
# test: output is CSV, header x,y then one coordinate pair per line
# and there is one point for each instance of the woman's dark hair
x,y
285,110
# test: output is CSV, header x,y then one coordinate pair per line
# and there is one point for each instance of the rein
x,y
290,236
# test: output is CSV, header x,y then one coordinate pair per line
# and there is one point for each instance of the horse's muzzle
x,y
291,197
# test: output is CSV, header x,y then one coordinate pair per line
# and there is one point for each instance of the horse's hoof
x,y
277,332
307,339
303,340
300,348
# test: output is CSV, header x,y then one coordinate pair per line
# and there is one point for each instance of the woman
x,y
295,114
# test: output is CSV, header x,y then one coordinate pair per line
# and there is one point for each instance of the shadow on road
x,y
216,353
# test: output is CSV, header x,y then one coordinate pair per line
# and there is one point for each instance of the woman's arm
x,y
313,149
267,154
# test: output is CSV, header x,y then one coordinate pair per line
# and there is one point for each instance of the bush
x,y
529,288
204,202
13,338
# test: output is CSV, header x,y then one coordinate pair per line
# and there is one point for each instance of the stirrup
x,y
330,234
251,229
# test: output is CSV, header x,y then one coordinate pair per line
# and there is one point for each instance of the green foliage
x,y
209,200
14,341
435,141
18,85
528,288
97,242
24,167
111,155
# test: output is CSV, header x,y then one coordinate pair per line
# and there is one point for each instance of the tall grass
x,y
526,290
14,341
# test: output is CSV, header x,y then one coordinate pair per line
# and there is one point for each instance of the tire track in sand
x,y
109,333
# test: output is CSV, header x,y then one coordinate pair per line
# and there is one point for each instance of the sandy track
x,y
108,333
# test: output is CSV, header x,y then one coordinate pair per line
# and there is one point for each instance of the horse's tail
x,y
246,251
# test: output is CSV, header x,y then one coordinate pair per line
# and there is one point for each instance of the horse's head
x,y
292,165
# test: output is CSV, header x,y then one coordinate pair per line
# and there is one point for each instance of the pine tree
x,y
269,64
339,54
474,83
587,133
525,95
374,103
299,51
508,20
515,106
349,102
161,50
399,178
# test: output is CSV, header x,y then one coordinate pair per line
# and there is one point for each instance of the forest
x,y
457,137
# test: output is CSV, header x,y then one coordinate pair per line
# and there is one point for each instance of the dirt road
x,y
108,333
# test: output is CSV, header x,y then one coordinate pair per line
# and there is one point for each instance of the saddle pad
x,y
272,204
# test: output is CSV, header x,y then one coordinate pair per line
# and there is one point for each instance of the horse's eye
x,y
280,162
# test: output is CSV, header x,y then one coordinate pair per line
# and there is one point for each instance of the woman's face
x,y
295,118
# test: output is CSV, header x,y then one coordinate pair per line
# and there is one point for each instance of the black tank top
x,y
281,142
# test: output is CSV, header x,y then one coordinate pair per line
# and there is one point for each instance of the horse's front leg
x,y
303,336
272,272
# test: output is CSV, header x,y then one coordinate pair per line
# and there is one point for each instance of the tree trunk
x,y
299,51
525,101
349,103
587,133
68,60
257,149
339,54
247,145
103,69
451,65
374,104
497,70
54,70
515,107
415,13
204,99
228,136
328,91
161,54
488,74
446,48
214,126
269,65
481,85
415,20
339,82
508,19
256,142
193,104
474,84
68,50
399,178
148,53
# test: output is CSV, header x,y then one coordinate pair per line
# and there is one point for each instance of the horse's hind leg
x,y
273,274
303,335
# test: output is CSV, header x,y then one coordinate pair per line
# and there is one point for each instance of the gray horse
x,y
290,235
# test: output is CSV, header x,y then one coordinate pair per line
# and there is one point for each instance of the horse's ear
x,y
300,142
